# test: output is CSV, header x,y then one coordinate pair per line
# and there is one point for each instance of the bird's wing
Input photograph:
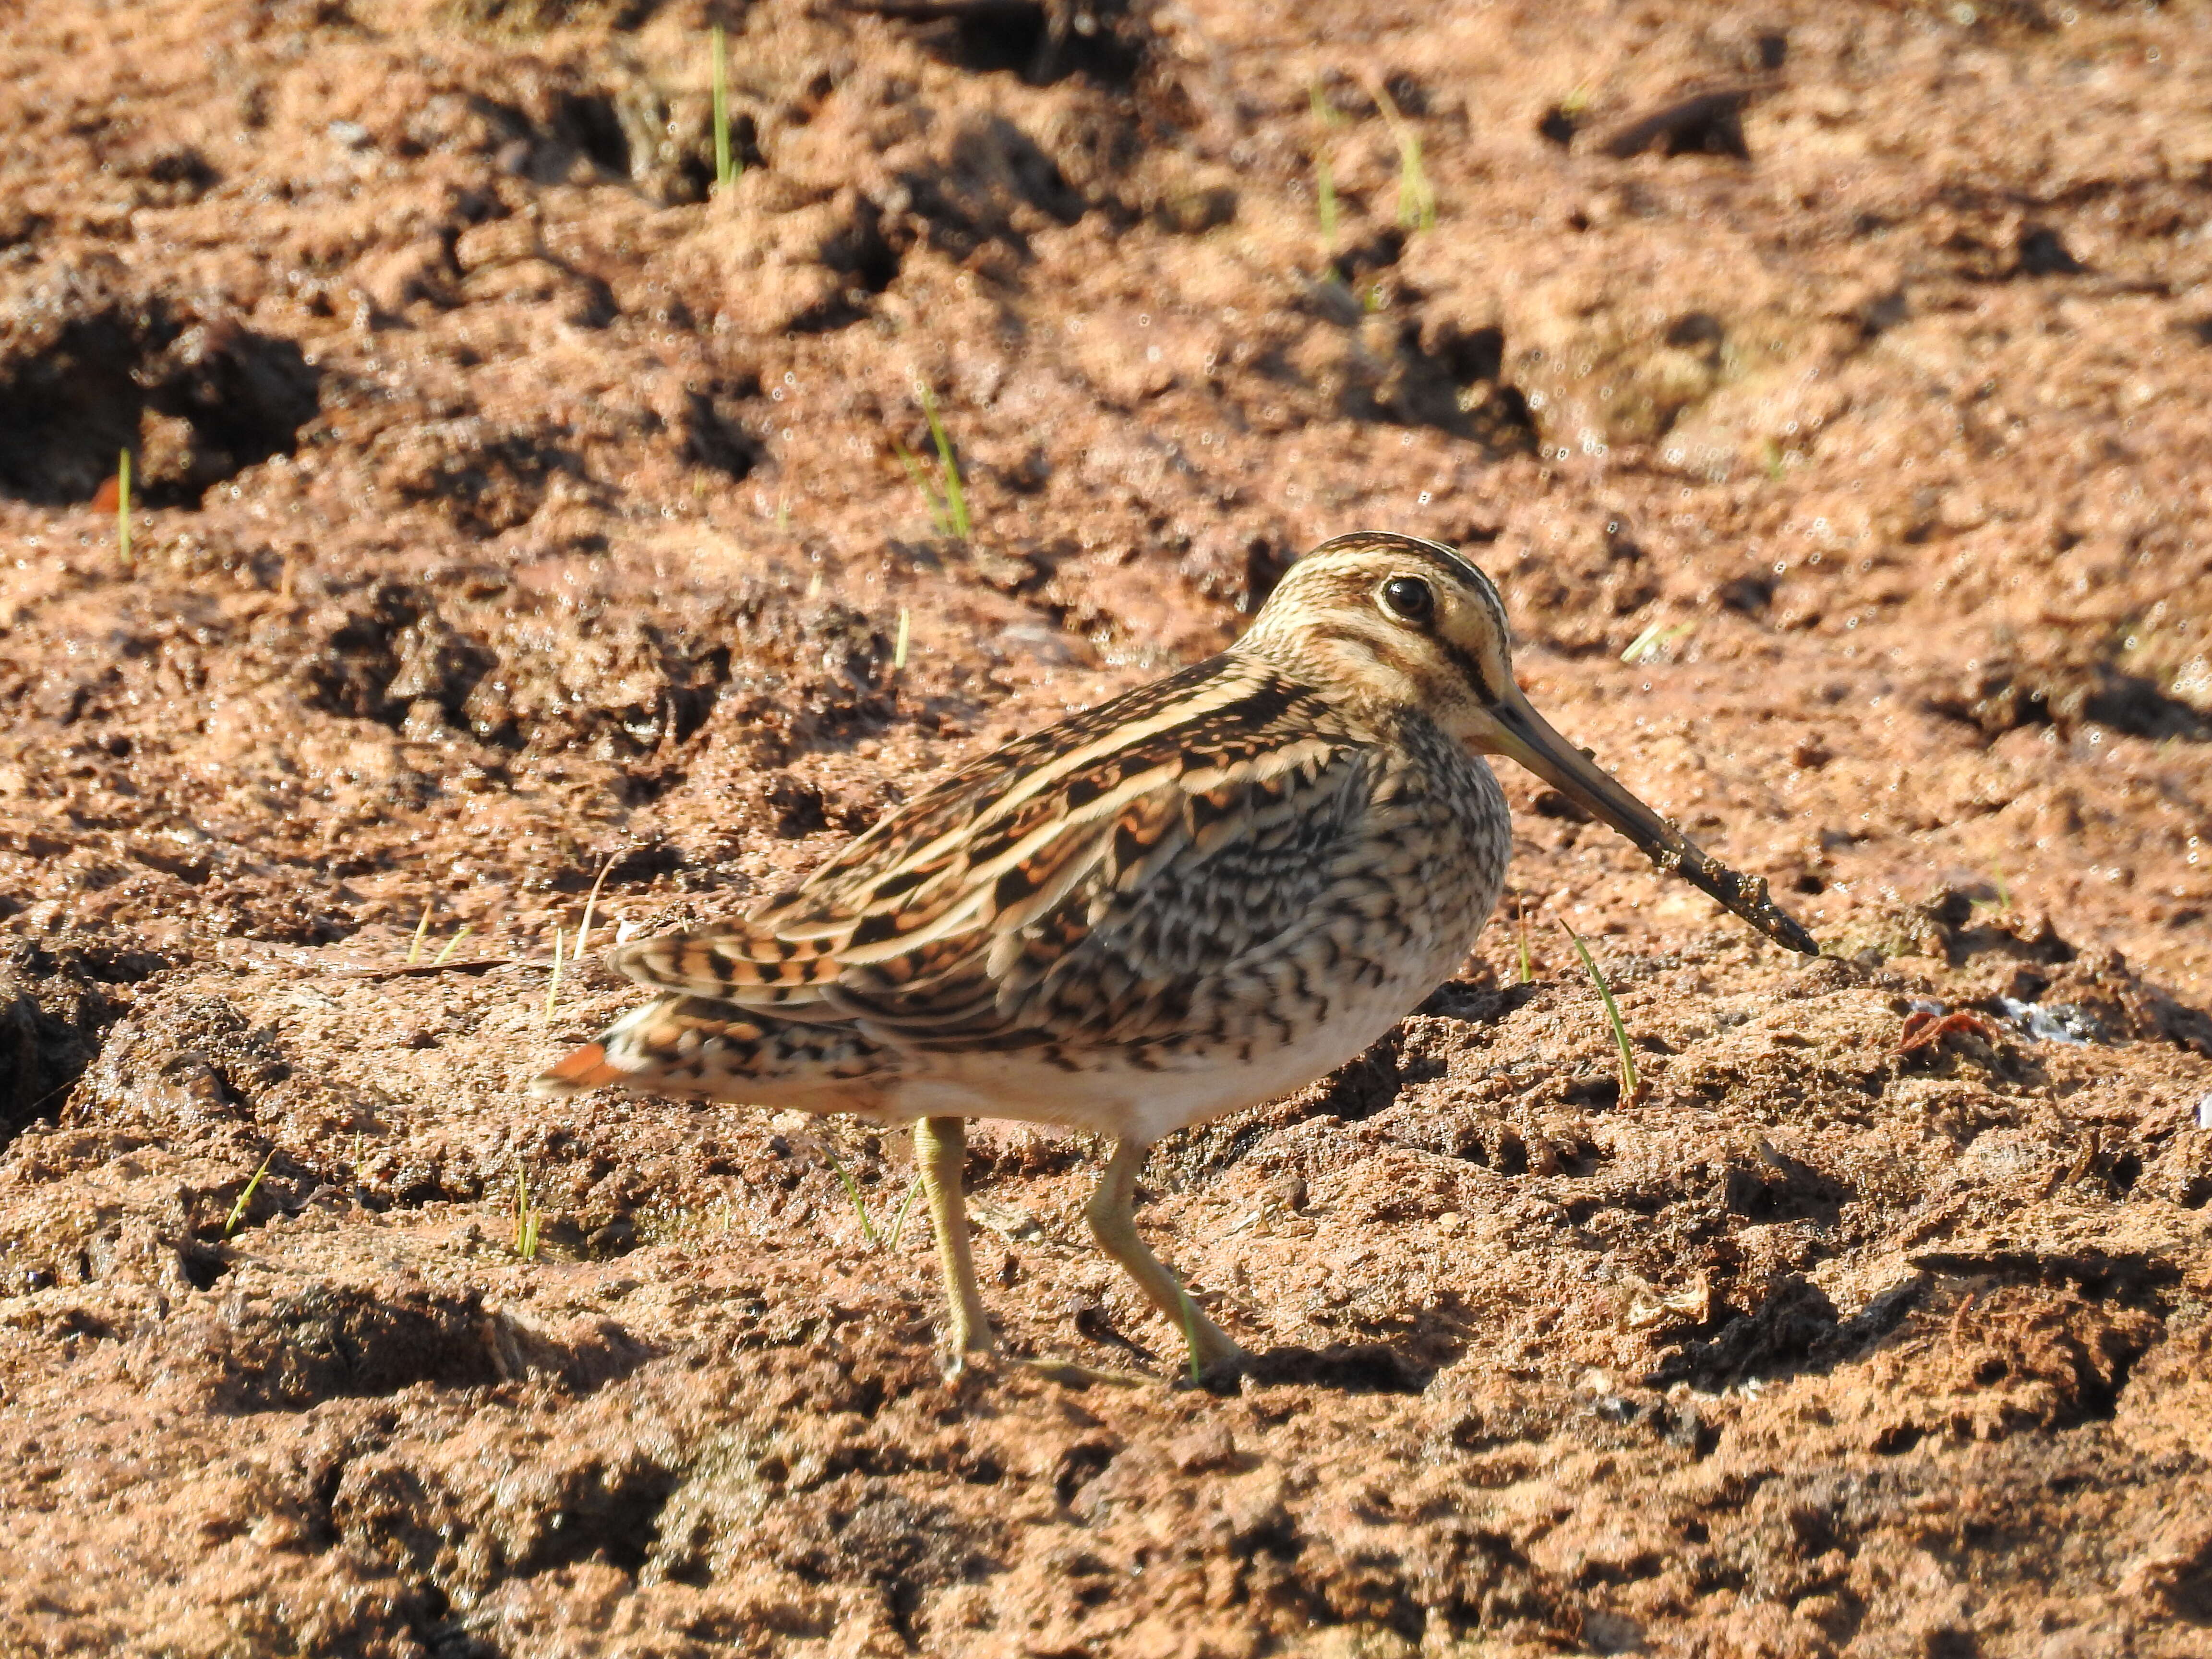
x,y
1088,879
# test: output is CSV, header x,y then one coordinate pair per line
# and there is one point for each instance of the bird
x,y
1196,896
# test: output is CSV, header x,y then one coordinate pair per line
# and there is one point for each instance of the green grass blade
x,y
553,985
123,504
956,497
1325,116
898,1222
238,1210
1417,198
1656,638
1189,1329
725,172
591,903
452,945
853,1192
1630,1083
526,1217
937,520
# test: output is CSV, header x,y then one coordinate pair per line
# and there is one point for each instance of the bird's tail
x,y
587,1069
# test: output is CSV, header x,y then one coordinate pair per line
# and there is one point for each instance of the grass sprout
x,y
853,1192
898,645
553,985
1326,115
123,504
1521,916
238,1210
1417,197
908,459
956,495
1189,1329
526,1216
422,929
1656,638
2002,903
943,494
591,903
946,495
452,945
728,166
1631,1084
898,1222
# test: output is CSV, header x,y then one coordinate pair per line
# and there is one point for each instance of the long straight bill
x,y
1528,738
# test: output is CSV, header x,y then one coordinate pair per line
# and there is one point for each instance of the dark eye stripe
x,y
1471,666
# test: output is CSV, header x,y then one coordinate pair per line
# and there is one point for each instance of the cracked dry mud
x,y
512,506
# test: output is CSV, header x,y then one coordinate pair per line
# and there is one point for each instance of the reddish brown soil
x,y
509,507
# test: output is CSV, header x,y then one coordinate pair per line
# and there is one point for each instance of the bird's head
x,y
1401,623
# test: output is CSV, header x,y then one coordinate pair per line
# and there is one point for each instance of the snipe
x,y
1197,896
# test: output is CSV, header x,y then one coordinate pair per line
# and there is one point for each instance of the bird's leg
x,y
940,1148
1112,1215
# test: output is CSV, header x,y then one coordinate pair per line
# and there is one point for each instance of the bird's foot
x,y
1074,1374
1071,1373
1220,1375
1219,1370
961,1361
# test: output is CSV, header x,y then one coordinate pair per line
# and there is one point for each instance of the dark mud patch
x,y
195,398
58,997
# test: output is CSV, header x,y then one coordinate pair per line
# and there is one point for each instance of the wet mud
x,y
515,509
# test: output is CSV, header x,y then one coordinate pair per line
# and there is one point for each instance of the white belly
x,y
1125,1102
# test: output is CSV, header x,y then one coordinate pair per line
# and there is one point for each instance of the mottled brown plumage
x,y
1196,896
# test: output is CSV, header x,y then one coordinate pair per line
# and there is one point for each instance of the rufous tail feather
x,y
587,1069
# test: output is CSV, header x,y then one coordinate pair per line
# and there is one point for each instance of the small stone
x,y
500,241
1962,510
1207,1449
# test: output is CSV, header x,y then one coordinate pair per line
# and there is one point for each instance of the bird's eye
x,y
1408,599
